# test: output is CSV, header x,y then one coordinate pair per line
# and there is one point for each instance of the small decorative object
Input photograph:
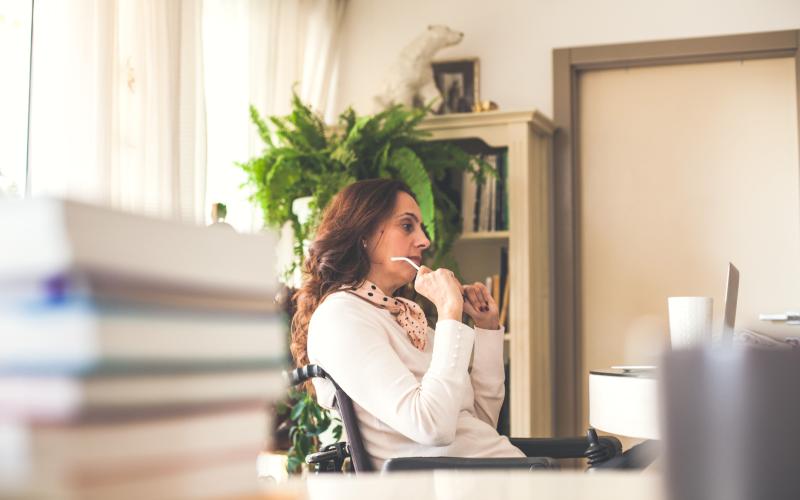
x,y
480,107
218,213
410,81
458,81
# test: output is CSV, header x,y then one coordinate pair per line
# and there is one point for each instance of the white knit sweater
x,y
411,403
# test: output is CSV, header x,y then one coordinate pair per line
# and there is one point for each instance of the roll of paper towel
x,y
690,321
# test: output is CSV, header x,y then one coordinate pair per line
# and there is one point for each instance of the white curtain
x,y
118,112
256,52
143,104
117,102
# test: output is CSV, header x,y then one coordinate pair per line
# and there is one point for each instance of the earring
x,y
364,243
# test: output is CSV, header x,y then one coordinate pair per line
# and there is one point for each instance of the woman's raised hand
x,y
481,307
443,289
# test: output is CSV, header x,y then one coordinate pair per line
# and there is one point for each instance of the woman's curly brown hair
x,y
337,256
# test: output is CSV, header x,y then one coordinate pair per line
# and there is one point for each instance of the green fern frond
x,y
411,171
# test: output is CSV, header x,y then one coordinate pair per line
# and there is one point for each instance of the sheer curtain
x,y
117,108
143,104
256,52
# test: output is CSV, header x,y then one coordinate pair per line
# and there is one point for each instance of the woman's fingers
x,y
423,271
472,296
469,309
440,287
487,297
481,297
477,298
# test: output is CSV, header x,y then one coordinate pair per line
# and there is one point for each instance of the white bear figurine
x,y
410,80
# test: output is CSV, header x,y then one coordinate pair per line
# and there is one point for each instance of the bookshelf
x,y
526,137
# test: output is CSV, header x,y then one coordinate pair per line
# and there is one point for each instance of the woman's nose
x,y
423,241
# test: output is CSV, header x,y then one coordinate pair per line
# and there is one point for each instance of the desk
x,y
476,485
624,403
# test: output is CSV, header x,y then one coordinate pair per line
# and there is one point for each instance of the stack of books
x,y
138,357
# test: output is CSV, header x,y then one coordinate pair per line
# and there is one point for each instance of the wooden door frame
x,y
568,65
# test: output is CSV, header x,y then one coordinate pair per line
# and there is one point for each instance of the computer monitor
x,y
731,297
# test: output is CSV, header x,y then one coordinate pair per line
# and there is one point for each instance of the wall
x,y
683,169
514,38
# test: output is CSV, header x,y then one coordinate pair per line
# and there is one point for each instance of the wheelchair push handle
x,y
305,373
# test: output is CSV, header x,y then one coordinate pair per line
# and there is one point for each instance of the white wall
x,y
514,39
684,168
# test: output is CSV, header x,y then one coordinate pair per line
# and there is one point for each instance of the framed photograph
x,y
458,81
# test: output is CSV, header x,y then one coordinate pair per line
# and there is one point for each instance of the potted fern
x,y
305,158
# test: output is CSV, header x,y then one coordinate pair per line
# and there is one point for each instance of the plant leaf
x,y
411,171
298,410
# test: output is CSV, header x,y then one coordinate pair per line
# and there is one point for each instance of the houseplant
x,y
305,158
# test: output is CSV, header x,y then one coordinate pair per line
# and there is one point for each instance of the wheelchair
x,y
541,453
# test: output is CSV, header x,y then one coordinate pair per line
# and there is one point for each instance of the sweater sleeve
x,y
488,375
355,350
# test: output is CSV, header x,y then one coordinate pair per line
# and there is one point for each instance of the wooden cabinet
x,y
527,137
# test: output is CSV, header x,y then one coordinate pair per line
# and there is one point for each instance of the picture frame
x,y
459,83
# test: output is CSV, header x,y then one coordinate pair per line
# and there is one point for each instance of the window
x,y
15,52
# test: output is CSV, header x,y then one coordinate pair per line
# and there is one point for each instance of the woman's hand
x,y
443,289
481,307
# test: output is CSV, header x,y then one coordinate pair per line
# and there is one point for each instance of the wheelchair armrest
x,y
637,457
429,463
330,459
572,447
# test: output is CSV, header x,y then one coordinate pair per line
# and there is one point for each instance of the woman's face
x,y
401,235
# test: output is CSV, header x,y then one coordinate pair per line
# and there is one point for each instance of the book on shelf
x,y
505,286
469,194
484,205
499,286
495,290
504,306
501,203
485,200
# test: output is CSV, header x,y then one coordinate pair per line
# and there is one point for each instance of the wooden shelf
x,y
527,139
484,235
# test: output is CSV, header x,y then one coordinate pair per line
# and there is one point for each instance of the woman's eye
x,y
408,227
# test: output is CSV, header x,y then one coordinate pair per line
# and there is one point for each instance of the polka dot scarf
x,y
407,313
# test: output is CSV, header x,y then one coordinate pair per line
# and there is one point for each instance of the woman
x,y
410,385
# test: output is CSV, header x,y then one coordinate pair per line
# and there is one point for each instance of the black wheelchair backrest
x,y
344,406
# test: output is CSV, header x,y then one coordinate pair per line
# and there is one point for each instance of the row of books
x,y
138,357
484,205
